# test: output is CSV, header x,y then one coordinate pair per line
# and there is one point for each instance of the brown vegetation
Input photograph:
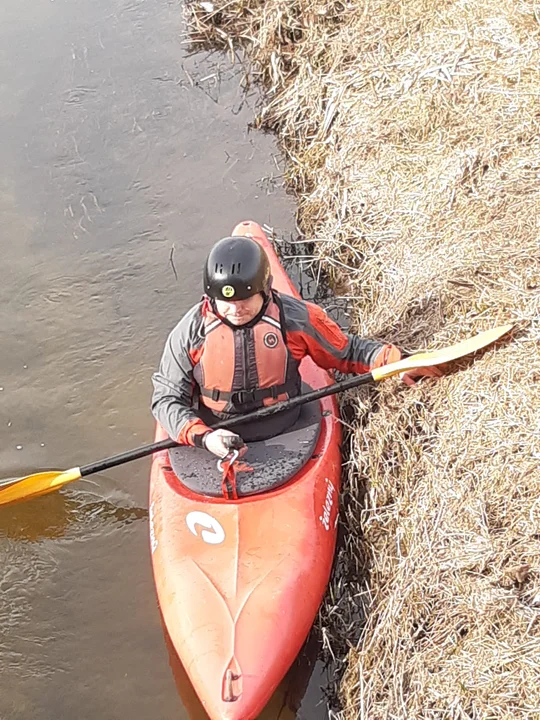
x,y
411,131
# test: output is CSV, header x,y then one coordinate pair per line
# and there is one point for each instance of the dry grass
x,y
411,132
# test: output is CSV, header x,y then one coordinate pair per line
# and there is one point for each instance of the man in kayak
x,y
239,349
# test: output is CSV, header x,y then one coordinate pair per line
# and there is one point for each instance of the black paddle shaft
x,y
146,450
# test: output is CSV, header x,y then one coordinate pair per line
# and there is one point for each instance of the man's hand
x,y
411,376
221,442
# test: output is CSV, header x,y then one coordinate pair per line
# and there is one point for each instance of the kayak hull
x,y
239,582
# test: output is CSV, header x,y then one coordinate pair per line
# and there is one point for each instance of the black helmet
x,y
236,268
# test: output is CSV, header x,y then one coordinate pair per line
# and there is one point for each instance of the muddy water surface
x,y
121,161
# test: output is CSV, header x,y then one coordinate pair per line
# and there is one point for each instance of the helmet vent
x,y
235,270
219,269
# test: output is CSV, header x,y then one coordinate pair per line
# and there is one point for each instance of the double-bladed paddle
x,y
41,483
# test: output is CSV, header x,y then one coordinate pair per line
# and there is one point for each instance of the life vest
x,y
244,368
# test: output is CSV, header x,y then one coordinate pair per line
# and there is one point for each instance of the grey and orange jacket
x,y
230,369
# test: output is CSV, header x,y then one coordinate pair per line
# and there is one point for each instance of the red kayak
x,y
240,581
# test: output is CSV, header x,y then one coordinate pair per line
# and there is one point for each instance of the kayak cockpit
x,y
267,465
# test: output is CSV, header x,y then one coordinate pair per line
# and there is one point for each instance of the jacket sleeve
x,y
172,401
311,332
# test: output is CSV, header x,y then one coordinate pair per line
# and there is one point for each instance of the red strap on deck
x,y
228,480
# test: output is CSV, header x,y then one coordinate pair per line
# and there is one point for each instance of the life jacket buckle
x,y
242,397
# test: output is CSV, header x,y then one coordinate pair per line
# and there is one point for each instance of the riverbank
x,y
412,141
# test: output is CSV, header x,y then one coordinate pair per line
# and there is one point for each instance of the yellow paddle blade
x,y
35,485
444,355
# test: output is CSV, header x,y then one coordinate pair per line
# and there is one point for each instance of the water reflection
x,y
31,538
74,513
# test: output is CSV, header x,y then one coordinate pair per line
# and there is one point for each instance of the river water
x,y
121,161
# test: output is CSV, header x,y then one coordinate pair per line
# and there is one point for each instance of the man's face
x,y
240,312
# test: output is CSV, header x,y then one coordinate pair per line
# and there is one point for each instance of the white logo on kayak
x,y
212,532
153,539
328,504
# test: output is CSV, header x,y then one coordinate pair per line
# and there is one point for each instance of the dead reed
x,y
411,132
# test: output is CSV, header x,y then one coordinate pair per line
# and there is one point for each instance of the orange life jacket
x,y
245,368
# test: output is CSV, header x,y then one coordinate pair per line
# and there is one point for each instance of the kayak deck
x,y
268,464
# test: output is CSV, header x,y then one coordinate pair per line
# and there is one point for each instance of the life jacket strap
x,y
249,397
